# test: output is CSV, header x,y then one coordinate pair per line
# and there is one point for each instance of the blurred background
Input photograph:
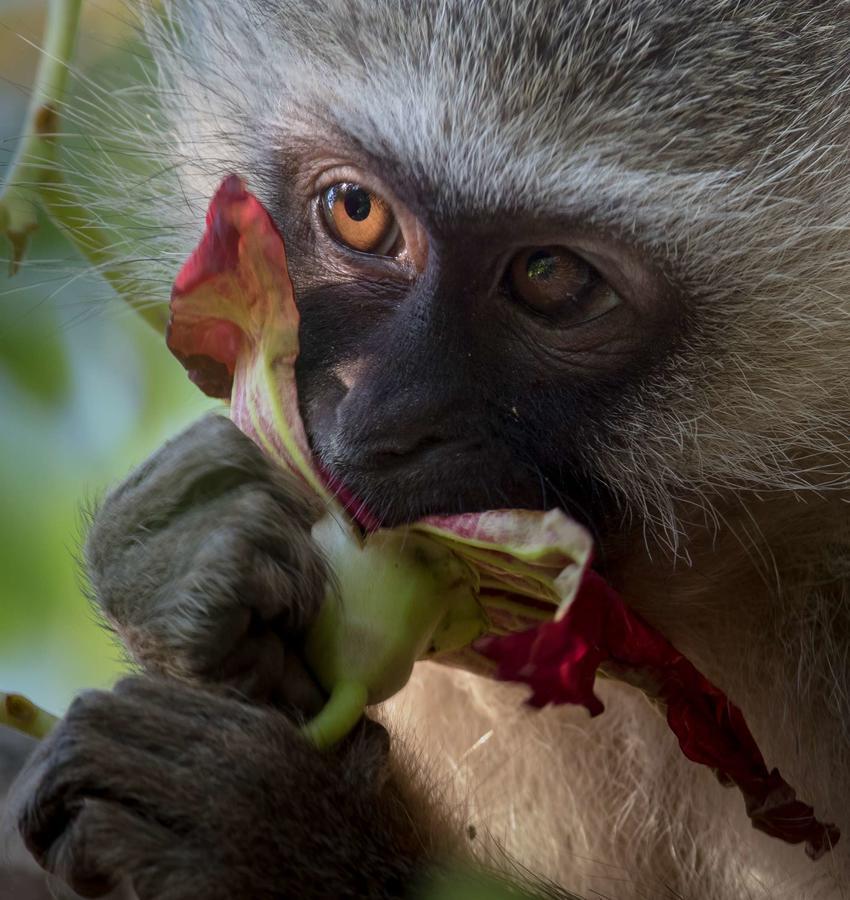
x,y
87,390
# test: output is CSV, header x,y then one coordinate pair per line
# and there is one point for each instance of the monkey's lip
x,y
433,458
464,477
400,494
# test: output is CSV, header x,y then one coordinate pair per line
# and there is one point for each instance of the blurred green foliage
x,y
87,390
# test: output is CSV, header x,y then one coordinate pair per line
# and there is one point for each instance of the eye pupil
x,y
541,265
359,218
358,204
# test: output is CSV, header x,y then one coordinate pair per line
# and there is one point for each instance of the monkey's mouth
x,y
434,482
483,478
481,471
453,481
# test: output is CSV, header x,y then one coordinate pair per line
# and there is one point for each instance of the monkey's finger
x,y
239,565
80,762
104,843
153,725
191,461
257,560
260,521
66,787
209,459
208,713
264,668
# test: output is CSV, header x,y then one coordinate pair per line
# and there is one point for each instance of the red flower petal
x,y
558,660
234,327
220,297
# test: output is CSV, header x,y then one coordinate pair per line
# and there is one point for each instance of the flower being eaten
x,y
512,587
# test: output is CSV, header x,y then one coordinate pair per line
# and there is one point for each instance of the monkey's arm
x,y
187,794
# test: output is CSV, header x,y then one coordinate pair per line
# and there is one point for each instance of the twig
x,y
23,715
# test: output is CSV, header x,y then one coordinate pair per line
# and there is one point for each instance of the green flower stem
x,y
340,714
35,177
21,714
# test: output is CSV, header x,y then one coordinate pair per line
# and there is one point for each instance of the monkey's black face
x,y
453,364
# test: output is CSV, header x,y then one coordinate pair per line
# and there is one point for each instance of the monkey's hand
x,y
192,795
203,564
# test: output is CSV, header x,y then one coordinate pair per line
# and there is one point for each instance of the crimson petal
x,y
559,659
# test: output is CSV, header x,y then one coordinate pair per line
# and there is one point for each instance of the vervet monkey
x,y
588,253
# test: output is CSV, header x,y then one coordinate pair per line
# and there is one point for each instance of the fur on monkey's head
x,y
702,144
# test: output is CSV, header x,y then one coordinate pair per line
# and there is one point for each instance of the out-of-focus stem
x,y
35,177
35,162
23,715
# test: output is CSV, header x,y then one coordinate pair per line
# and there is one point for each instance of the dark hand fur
x,y
202,563
19,878
199,796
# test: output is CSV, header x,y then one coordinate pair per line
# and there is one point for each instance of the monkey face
x,y
707,365
451,364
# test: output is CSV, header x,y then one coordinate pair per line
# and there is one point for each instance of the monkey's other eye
x,y
359,218
554,282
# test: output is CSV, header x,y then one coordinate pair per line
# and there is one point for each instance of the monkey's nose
x,y
413,446
399,432
405,444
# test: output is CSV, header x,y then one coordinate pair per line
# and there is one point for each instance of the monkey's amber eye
x,y
359,218
550,279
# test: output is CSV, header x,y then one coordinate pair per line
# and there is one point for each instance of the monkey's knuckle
x,y
95,849
269,527
154,880
65,764
212,427
256,507
304,575
87,707
201,439
280,590
215,443
314,573
220,560
277,506
130,685
32,824
298,505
